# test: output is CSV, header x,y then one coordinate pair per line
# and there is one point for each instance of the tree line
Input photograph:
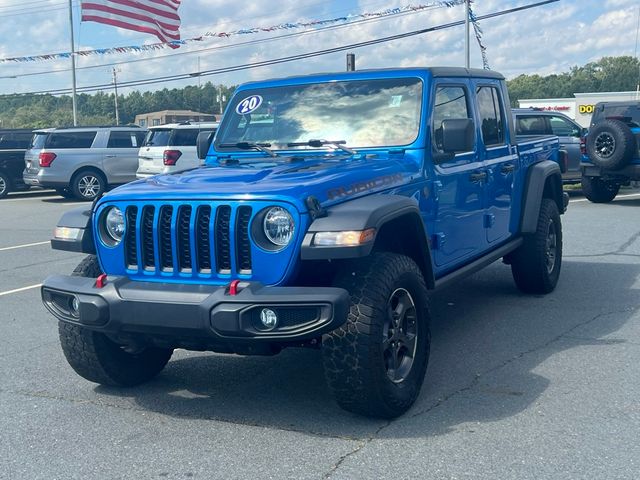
x,y
609,74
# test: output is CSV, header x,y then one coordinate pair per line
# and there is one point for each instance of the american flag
x,y
157,17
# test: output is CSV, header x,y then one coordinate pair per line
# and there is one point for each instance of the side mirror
x,y
458,135
203,143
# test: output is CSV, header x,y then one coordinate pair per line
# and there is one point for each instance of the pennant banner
x,y
245,31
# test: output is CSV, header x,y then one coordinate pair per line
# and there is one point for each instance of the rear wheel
x,y
88,184
95,357
5,184
375,363
535,265
599,191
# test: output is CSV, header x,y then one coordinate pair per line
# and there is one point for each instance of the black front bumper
x,y
199,317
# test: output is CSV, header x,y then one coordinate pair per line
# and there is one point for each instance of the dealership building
x,y
581,106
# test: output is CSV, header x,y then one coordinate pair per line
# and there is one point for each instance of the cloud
x,y
544,40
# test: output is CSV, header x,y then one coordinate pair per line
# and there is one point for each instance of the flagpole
x,y
73,68
467,62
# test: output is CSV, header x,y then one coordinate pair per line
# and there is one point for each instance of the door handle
x,y
478,177
110,156
508,168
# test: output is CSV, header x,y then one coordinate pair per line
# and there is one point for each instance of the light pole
x,y
115,88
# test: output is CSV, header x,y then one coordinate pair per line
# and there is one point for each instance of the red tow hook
x,y
233,287
101,281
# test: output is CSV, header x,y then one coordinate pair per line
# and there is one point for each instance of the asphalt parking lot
x,y
518,386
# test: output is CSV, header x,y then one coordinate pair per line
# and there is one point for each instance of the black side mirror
x,y
203,143
458,135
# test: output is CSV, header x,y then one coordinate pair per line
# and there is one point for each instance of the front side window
x,y
70,139
563,128
491,117
363,113
450,102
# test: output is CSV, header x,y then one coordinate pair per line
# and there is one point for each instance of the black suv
x,y
613,156
13,144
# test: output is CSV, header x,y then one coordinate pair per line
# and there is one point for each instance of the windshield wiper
x,y
261,147
339,144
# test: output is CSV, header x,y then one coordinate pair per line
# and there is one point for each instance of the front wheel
x,y
599,191
376,362
97,358
535,265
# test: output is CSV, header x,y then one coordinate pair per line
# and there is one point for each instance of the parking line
x,y
9,292
23,246
28,198
631,195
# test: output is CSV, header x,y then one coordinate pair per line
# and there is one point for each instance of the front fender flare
x,y
360,214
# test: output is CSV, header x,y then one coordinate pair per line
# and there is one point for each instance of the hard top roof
x,y
190,125
434,71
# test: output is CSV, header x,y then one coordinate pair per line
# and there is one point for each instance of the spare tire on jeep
x,y
611,144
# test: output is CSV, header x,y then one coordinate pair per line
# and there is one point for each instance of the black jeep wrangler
x,y
612,147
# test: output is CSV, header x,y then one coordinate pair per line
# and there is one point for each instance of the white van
x,y
171,148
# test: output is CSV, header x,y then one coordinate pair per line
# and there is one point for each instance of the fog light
x,y
268,318
75,307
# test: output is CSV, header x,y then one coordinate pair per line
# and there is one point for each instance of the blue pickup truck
x,y
329,208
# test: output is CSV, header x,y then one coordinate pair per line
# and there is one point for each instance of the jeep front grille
x,y
188,239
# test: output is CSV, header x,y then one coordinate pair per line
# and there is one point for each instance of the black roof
x,y
625,103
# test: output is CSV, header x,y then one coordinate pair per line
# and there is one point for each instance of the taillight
x,y
583,145
46,158
170,157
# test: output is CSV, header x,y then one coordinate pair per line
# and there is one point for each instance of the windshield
x,y
38,139
363,113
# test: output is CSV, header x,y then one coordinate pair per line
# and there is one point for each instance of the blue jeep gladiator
x,y
329,207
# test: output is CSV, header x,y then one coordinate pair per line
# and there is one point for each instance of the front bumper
x,y
199,317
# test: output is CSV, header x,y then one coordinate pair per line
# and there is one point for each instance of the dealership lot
x,y
518,386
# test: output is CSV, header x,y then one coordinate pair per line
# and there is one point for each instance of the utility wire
x,y
291,58
225,47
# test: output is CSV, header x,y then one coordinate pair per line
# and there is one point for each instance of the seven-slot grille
x,y
199,239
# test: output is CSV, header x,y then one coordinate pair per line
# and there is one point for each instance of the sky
x,y
543,40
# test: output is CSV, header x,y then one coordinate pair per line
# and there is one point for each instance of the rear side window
x,y
15,140
450,102
70,140
531,125
185,137
489,106
125,139
38,140
157,138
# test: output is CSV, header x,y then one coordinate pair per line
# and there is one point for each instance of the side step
x,y
478,264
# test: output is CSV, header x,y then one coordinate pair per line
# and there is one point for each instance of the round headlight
x,y
278,226
114,224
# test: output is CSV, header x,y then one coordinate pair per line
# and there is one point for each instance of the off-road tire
x,y
599,191
88,184
5,185
611,144
354,356
97,358
536,264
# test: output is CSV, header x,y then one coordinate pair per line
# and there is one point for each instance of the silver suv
x,y
83,162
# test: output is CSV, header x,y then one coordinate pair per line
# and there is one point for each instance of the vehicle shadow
x,y
481,357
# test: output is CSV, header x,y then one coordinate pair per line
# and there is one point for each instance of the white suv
x,y
171,148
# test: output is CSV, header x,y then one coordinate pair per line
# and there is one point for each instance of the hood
x,y
329,178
